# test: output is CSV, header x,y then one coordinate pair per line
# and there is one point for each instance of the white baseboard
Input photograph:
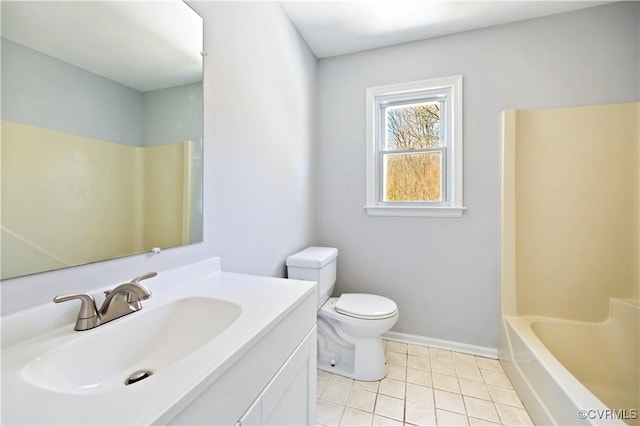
x,y
441,344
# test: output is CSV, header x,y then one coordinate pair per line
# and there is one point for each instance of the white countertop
x,y
264,302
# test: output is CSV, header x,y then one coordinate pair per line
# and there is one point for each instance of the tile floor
x,y
424,386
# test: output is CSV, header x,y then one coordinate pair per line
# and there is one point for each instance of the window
x,y
414,149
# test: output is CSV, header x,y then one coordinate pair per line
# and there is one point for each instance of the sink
x,y
203,332
102,359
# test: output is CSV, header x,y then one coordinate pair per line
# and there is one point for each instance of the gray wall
x,y
444,273
172,115
43,91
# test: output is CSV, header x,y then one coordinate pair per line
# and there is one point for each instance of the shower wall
x,y
69,199
575,191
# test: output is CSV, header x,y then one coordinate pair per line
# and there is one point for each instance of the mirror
x,y
101,131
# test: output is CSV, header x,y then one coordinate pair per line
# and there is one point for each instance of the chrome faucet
x,y
122,300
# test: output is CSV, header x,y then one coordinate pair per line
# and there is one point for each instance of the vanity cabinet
x,y
272,383
289,398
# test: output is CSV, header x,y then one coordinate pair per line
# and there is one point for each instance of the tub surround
x,y
276,322
572,365
570,261
156,175
576,209
604,355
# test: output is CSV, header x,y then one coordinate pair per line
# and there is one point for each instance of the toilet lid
x,y
366,306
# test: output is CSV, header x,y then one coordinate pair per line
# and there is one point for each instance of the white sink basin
x,y
101,359
194,334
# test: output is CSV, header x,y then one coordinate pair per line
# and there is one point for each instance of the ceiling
x,y
145,45
333,28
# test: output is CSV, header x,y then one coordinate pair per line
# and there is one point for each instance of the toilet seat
x,y
366,306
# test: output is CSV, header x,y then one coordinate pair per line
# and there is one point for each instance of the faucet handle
x,y
88,307
144,277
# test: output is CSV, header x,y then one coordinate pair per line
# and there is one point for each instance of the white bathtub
x,y
574,372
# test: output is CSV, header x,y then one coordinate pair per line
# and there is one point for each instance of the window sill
x,y
410,211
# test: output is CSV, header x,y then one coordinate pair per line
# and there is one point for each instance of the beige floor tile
x,y
419,414
440,354
416,350
370,386
479,422
512,415
320,384
419,377
480,409
445,382
396,358
397,372
361,399
323,375
475,389
464,359
448,401
443,367
388,406
353,417
335,392
392,387
418,362
496,378
448,418
469,372
328,413
397,347
385,421
420,394
488,364
336,378
504,396
423,386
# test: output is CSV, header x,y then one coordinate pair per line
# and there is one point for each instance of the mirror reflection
x,y
101,131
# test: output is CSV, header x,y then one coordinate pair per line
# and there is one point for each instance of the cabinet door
x,y
253,416
290,398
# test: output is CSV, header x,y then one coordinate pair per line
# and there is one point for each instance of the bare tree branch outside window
x,y
413,176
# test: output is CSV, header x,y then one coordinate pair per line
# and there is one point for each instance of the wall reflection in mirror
x,y
101,131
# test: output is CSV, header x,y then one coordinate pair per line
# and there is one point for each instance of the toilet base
x,y
341,369
346,370
356,358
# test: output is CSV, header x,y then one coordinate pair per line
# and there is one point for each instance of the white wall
x,y
260,122
258,132
444,273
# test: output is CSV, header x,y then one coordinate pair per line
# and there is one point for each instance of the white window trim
x,y
453,207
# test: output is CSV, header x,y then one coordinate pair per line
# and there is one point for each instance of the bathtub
x,y
574,372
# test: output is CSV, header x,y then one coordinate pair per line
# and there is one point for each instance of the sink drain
x,y
137,376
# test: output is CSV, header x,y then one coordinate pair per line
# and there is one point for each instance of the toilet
x,y
350,326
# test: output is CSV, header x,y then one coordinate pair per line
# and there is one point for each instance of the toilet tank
x,y
315,264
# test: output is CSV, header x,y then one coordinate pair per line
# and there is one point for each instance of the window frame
x,y
449,91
